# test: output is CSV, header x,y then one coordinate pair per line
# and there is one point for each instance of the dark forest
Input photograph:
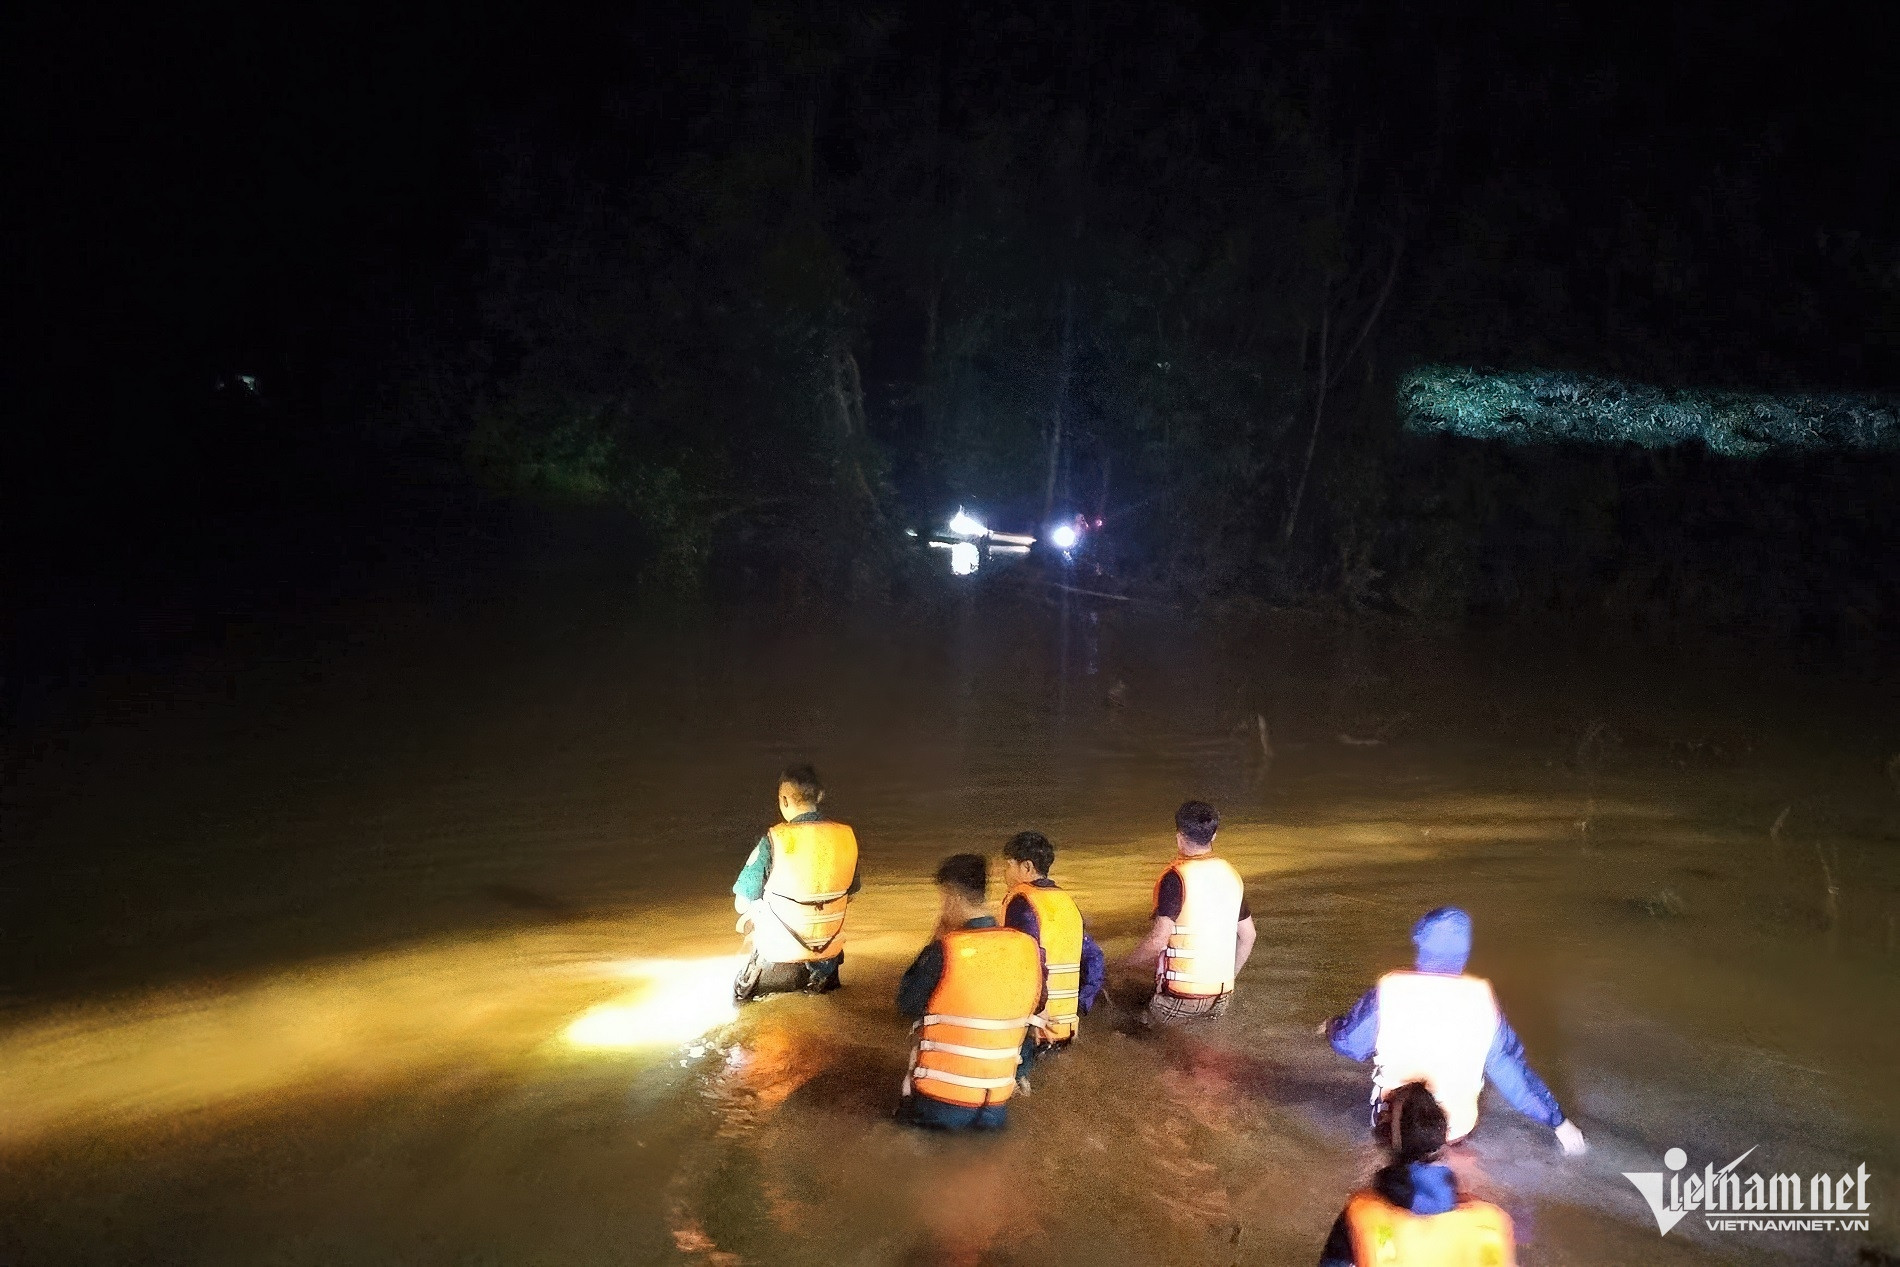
x,y
767,284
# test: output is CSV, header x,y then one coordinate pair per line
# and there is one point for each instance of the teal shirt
x,y
751,882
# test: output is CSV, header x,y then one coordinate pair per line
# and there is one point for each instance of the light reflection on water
x,y
416,1097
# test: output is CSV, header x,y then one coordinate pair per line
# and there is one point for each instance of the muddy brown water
x,y
297,937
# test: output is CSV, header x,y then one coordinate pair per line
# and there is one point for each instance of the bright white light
x,y
964,524
964,558
1063,536
680,999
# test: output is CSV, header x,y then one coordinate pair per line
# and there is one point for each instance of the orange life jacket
x,y
1436,1028
971,1037
1471,1234
806,892
1059,928
1199,960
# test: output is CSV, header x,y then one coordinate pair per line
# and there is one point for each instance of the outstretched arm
x,y
1355,1034
1509,1070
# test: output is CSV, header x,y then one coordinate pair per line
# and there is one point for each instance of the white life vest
x,y
1198,961
1436,1028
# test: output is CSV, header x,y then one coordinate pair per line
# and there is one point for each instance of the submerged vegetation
x,y
1530,407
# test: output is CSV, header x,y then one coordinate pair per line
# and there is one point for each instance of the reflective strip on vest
x,y
806,892
1059,930
1471,1234
974,1053
1436,1028
924,1074
1206,932
970,1039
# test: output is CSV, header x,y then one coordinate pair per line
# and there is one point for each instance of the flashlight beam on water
x,y
679,1000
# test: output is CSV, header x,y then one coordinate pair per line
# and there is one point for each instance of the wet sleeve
x,y
1356,1033
751,882
1168,896
1094,973
920,981
1506,1069
1246,911
1338,1251
1021,916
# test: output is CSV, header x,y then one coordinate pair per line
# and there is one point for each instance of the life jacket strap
x,y
1065,994
1055,968
1013,1055
817,899
956,1079
976,1022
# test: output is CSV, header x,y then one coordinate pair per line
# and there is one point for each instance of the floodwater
x,y
405,939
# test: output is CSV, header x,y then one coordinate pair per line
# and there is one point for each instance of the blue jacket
x,y
1021,916
1443,938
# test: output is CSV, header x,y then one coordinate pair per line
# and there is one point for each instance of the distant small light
x,y
1064,536
910,532
964,524
964,559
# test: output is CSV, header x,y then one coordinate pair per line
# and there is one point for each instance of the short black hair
x,y
1411,1128
804,781
968,873
1412,1124
1032,847
1197,820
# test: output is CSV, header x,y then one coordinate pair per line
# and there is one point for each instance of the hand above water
x,y
1574,1144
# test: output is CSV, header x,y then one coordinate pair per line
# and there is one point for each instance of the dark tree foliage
x,y
795,274
776,280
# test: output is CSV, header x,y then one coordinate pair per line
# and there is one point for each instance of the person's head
x,y
1194,826
1027,858
963,882
799,791
1411,1125
1443,938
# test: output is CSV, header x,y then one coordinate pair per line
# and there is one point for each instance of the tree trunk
x,y
1064,364
1319,414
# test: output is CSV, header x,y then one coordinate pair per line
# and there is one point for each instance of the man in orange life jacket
x,y
972,993
1203,930
1412,1214
1073,965
1439,1026
791,895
